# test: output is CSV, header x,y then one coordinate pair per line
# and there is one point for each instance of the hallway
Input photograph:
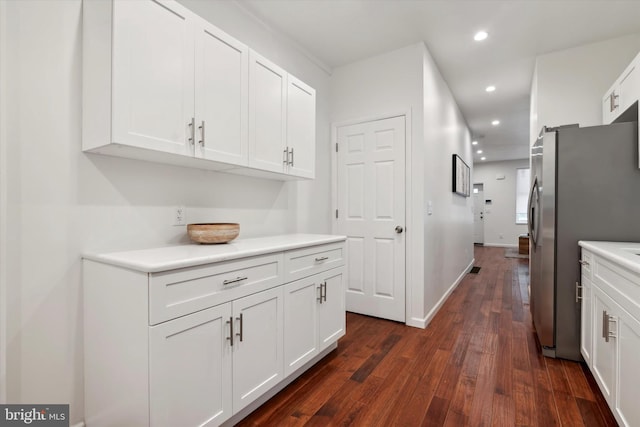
x,y
477,363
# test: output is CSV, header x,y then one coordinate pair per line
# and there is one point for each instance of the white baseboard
x,y
500,245
80,424
423,322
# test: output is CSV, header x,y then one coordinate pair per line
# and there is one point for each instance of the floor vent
x,y
474,270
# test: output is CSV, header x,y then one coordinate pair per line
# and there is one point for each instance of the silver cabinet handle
x,y
241,334
285,156
236,280
230,337
322,258
606,326
610,333
324,295
192,130
291,161
201,127
399,229
582,262
319,299
612,101
578,292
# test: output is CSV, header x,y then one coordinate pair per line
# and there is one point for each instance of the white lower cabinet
x,y
314,316
190,369
628,369
257,345
194,346
610,326
586,320
604,343
195,365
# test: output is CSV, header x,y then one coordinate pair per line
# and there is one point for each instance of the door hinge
x,y
336,147
336,213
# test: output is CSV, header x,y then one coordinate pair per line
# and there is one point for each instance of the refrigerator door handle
x,y
530,215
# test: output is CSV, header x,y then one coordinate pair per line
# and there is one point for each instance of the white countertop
x,y
173,257
623,253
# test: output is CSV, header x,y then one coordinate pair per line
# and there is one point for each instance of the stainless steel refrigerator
x,y
585,185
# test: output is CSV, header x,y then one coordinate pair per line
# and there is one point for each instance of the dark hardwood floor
x,y
477,363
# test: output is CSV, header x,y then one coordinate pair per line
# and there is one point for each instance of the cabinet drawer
x,y
177,293
301,263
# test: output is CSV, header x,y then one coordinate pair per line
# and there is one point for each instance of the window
x,y
522,195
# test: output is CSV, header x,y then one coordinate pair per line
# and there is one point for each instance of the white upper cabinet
x,y
267,114
162,84
138,75
622,94
301,128
221,96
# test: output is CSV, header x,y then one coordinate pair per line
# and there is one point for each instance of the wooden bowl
x,y
214,232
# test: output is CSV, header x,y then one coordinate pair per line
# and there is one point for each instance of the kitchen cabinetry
x,y
197,333
162,84
312,316
610,327
623,93
197,360
281,120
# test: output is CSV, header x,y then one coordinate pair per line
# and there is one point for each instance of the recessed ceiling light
x,y
474,142
480,35
483,158
490,88
495,122
479,151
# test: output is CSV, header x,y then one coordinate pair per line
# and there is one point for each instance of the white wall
x,y
500,215
61,202
568,85
439,247
448,233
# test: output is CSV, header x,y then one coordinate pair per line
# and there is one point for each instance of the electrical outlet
x,y
180,216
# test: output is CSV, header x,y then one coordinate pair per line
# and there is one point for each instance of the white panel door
x,y
221,96
258,362
267,114
331,316
153,79
190,369
301,128
300,322
478,214
371,213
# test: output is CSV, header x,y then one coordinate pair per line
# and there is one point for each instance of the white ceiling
x,y
338,32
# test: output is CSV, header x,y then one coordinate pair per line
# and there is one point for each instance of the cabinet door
x,y
301,128
153,78
603,355
190,369
221,96
331,312
301,299
628,88
586,320
628,370
267,114
258,362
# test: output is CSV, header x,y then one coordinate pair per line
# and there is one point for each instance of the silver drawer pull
x,y
324,258
236,280
585,263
